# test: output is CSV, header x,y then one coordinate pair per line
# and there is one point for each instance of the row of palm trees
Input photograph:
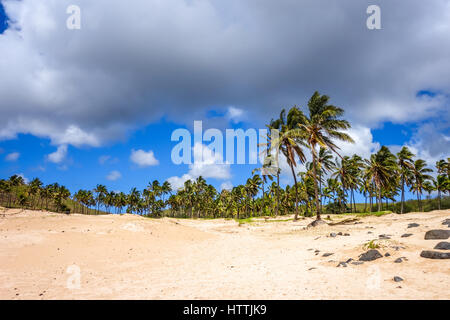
x,y
328,183
15,192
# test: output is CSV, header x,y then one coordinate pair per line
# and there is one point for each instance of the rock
x,y
349,260
370,255
342,264
413,225
357,263
398,260
443,246
311,269
346,234
397,279
435,254
406,235
316,223
333,235
384,236
339,234
387,254
437,234
327,254
446,222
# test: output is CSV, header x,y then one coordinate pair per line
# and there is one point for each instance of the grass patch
x,y
244,221
372,245
376,214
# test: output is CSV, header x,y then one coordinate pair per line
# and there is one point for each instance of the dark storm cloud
x,y
133,62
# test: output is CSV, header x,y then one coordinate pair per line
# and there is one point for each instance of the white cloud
x,y
13,156
364,145
114,175
59,155
235,114
227,185
209,164
143,158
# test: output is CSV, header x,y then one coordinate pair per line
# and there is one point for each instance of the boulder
x,y
437,235
435,254
413,225
443,246
370,255
446,222
406,235
398,279
316,223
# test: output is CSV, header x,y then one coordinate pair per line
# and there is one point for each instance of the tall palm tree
x,y
321,128
380,169
325,164
289,141
405,165
420,176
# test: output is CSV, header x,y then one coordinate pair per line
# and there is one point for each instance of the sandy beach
x,y
54,256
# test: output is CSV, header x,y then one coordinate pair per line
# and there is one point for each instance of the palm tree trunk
x,y
379,199
278,187
403,195
296,192
316,194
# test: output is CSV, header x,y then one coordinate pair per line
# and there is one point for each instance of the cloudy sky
x,y
99,104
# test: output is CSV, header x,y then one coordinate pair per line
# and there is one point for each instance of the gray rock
x,y
397,279
357,263
406,235
387,254
446,222
413,225
443,246
342,264
327,254
349,260
316,223
384,236
437,234
370,255
435,255
398,260
333,235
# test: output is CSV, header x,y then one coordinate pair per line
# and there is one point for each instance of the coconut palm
x,y
380,170
405,165
289,141
321,128
420,176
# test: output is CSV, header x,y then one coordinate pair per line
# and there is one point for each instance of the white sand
x,y
129,257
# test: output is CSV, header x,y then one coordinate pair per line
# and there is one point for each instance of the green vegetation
x,y
326,186
372,245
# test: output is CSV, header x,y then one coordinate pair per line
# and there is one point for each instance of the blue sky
x,y
76,103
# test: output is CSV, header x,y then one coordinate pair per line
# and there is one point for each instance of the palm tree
x,y
420,176
100,191
325,164
405,164
321,128
380,169
289,141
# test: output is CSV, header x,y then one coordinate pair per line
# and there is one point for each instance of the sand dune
x,y
130,257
